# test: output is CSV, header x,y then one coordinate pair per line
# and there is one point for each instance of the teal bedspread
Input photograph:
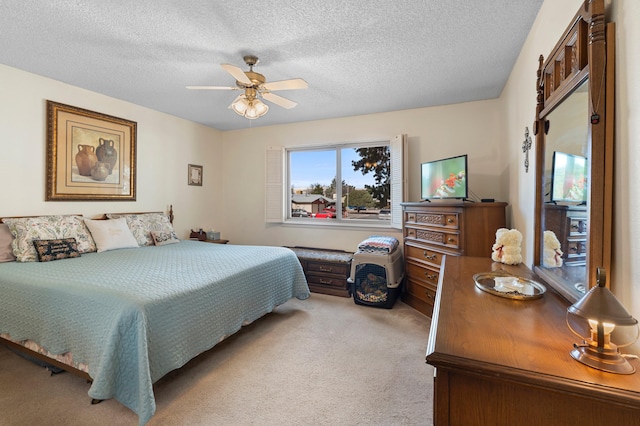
x,y
133,315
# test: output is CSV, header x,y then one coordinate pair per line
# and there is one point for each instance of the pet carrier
x,y
377,272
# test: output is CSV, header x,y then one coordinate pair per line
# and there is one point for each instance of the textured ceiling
x,y
359,57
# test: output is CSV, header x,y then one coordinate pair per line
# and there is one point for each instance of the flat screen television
x,y
568,178
446,178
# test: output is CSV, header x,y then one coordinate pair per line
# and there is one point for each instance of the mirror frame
x,y
585,51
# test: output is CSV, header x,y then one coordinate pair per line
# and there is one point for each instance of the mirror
x,y
565,191
574,155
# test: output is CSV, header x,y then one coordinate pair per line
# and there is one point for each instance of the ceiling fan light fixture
x,y
240,105
256,108
250,109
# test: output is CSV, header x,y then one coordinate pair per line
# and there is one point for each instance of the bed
x,y
129,316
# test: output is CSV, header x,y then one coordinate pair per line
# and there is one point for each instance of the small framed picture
x,y
195,175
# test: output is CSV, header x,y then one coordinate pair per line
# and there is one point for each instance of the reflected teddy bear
x,y
507,246
552,255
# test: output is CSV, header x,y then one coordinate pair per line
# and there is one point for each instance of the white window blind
x,y
399,169
274,184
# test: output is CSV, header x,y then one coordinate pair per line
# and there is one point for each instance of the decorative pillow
x,y
62,248
6,238
162,238
142,224
27,229
111,234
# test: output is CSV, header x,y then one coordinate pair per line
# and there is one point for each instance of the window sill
x,y
335,223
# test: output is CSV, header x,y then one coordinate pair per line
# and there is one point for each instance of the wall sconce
x,y
600,316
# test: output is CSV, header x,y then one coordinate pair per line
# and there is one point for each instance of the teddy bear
x,y
507,246
552,255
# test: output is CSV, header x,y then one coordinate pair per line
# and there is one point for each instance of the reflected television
x,y
444,179
568,178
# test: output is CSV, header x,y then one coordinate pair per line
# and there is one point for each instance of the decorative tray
x,y
510,286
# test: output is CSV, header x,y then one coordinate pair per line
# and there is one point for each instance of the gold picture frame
x,y
194,176
90,156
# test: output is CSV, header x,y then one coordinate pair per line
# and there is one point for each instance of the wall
x,y
165,145
472,128
626,221
518,103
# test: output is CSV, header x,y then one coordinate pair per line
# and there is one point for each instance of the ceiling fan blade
x,y
294,83
212,88
237,73
279,100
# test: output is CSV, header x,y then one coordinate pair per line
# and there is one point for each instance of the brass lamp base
x,y
608,360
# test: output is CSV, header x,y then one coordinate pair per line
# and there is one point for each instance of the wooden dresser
x,y
506,362
570,225
433,229
326,270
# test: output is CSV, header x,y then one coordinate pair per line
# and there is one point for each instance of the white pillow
x,y
111,234
141,225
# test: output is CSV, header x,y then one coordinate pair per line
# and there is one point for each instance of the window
x,y
369,190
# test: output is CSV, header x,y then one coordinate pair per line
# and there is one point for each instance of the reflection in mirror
x,y
566,186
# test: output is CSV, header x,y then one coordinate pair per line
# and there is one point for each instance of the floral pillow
x,y
27,229
142,224
162,238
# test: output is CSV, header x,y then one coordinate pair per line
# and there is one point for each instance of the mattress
x,y
142,312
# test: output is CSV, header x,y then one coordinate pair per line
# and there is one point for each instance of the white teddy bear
x,y
507,246
552,255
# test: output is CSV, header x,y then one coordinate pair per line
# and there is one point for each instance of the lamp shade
x,y
601,305
240,105
256,109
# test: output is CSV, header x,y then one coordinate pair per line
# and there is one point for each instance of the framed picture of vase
x,y
90,156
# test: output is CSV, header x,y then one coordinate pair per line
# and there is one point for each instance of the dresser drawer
x,y
445,220
420,291
419,296
326,280
423,273
425,255
341,269
441,238
577,226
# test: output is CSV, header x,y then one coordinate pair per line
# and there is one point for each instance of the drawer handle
x,y
430,276
325,281
429,296
325,269
430,257
450,220
451,240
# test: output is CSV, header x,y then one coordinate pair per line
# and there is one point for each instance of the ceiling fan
x,y
255,86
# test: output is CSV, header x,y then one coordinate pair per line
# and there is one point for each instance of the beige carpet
x,y
322,361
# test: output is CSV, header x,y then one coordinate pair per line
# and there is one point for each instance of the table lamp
x,y
599,319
